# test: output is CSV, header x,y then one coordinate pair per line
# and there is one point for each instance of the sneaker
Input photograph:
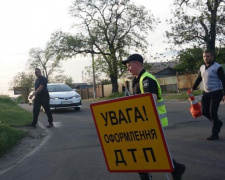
x,y
50,125
178,171
213,137
31,125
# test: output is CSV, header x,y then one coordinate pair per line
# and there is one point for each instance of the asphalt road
x,y
72,150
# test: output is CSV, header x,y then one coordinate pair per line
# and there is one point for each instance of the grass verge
x,y
181,96
9,137
11,118
12,114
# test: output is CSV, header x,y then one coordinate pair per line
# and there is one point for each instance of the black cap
x,y
133,57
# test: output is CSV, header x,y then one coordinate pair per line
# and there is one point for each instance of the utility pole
x,y
93,69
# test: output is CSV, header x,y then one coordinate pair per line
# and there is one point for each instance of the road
x,y
72,150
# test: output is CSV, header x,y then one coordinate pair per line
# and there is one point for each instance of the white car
x,y
63,96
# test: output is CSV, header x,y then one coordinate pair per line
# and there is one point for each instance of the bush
x,y
19,100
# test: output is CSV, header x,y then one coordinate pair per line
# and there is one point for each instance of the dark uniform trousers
x,y
44,102
210,106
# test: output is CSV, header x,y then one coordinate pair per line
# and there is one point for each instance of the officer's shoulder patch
x,y
146,83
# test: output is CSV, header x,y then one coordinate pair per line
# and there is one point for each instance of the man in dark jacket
x,y
41,99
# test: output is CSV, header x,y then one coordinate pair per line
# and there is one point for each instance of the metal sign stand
x,y
167,176
127,93
149,176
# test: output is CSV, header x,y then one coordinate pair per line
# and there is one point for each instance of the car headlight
x,y
76,96
55,98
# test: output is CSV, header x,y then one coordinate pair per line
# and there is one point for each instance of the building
x,y
163,72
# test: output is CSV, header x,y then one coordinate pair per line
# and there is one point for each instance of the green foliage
x,y
25,81
46,61
19,100
12,114
220,55
147,66
105,81
115,95
223,66
198,22
9,137
189,60
62,79
182,96
108,29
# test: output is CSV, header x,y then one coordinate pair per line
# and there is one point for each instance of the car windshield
x,y
59,88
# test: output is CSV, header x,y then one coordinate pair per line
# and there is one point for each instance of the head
x,y
38,72
208,57
134,64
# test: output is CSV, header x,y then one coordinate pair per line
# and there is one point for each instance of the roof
x,y
158,70
164,65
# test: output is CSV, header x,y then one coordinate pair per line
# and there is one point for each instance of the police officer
x,y
144,82
41,99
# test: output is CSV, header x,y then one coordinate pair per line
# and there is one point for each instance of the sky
x,y
27,24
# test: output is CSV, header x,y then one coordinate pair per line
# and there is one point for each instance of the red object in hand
x,y
195,108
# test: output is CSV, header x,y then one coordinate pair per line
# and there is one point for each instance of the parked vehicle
x,y
63,96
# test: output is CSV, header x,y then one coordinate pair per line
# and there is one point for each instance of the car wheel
x,y
77,108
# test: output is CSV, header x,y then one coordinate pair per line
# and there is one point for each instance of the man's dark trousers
x,y
210,106
38,102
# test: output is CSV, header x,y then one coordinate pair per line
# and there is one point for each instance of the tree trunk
x,y
212,38
212,34
115,86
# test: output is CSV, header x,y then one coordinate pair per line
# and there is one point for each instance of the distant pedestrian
x,y
144,82
41,99
123,88
213,78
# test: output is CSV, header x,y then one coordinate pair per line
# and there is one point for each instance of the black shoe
x,y
50,125
178,171
31,125
213,137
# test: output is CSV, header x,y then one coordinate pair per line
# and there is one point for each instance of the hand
x,y
31,96
190,91
223,98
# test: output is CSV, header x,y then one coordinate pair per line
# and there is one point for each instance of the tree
x,y
200,22
48,63
108,29
25,81
147,66
220,55
189,60
62,79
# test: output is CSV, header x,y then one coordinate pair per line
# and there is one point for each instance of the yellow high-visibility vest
x,y
160,102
